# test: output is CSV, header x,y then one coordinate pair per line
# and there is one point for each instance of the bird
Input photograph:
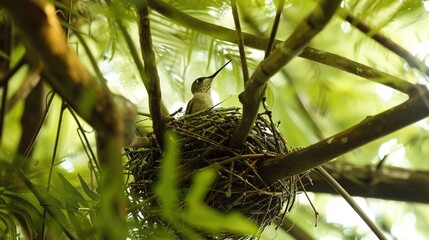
x,y
201,89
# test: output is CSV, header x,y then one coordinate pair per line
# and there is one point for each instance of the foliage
x,y
52,191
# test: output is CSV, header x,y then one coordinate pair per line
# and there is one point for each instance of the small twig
x,y
273,126
56,142
351,202
31,81
316,213
85,138
240,41
91,57
217,165
141,204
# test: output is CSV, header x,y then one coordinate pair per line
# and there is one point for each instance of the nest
x,y
204,138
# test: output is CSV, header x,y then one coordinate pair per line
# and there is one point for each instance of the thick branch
x,y
255,87
154,89
413,110
390,183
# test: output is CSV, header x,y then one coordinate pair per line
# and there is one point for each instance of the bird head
x,y
204,84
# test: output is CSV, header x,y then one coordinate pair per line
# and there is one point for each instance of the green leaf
x,y
50,203
91,194
200,185
72,193
166,188
202,216
209,219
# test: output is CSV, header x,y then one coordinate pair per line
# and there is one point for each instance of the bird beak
x,y
214,74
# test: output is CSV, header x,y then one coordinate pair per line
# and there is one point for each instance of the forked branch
x,y
255,87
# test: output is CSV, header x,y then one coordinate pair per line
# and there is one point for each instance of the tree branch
x,y
361,70
272,39
371,128
353,204
42,32
240,41
252,95
382,182
154,89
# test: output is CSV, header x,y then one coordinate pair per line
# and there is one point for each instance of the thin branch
x,y
56,143
388,43
153,88
136,59
91,57
371,128
358,69
274,29
255,88
351,202
240,41
85,138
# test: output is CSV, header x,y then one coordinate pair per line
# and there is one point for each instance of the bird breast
x,y
199,102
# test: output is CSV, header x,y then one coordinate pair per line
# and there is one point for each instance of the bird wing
x,y
189,107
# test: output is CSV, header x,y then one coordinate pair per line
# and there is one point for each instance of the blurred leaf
x,y
201,183
72,193
52,205
10,230
29,221
202,216
91,194
166,188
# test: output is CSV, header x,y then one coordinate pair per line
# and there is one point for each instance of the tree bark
x,y
371,128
